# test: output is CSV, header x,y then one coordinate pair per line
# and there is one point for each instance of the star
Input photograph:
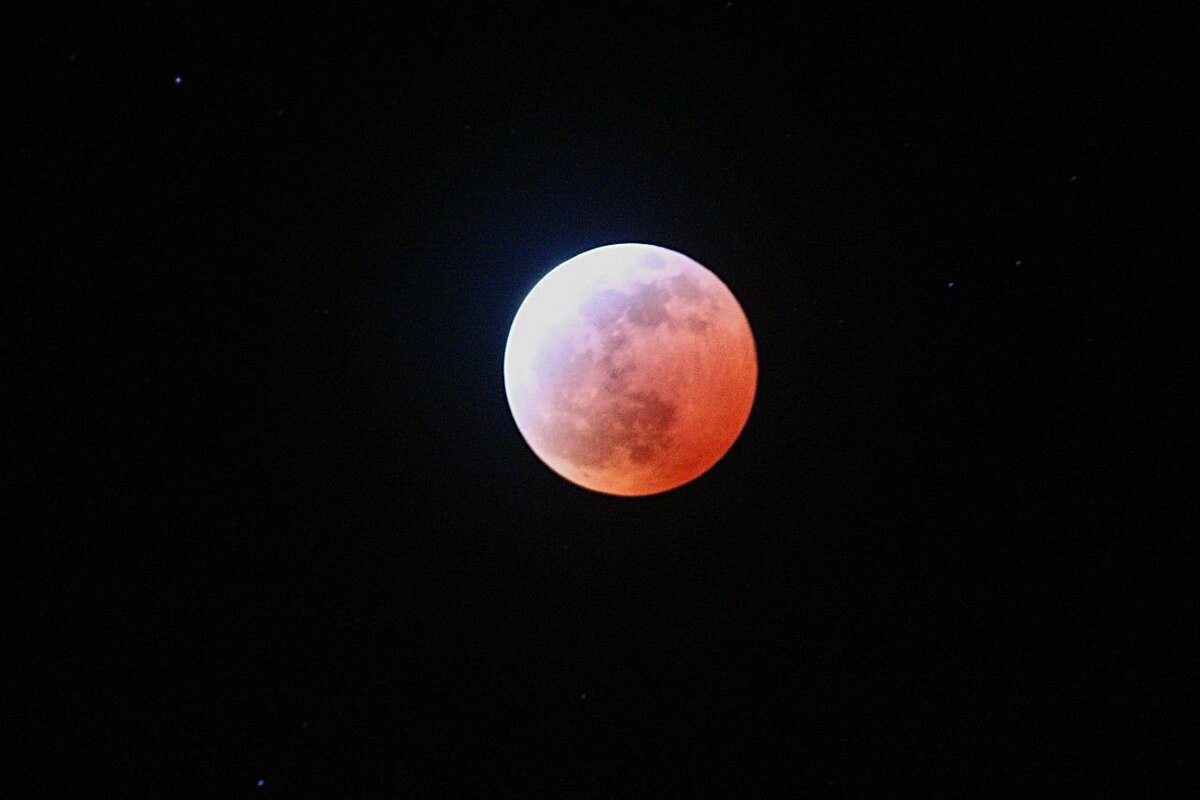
x,y
178,79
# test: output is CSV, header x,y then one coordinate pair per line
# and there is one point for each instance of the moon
x,y
630,369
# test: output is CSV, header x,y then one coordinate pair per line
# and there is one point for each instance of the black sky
x,y
264,263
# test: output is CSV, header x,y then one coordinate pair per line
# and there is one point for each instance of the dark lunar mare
x,y
636,422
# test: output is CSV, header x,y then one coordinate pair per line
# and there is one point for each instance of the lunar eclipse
x,y
630,369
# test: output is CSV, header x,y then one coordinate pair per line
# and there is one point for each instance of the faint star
x,y
178,79
1074,178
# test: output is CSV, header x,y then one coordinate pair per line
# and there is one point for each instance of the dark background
x,y
284,528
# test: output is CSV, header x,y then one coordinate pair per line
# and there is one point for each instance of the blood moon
x,y
630,369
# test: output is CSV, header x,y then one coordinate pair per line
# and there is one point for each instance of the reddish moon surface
x,y
630,369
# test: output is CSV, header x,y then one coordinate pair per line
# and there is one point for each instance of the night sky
x,y
271,530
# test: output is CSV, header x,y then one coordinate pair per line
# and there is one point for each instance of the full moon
x,y
630,369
